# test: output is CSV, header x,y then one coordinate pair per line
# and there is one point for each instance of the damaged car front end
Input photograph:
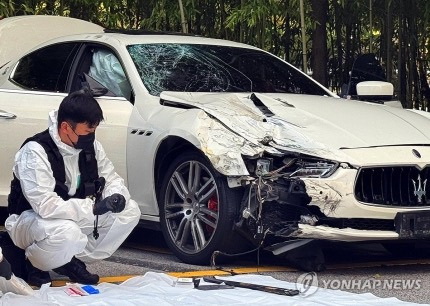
x,y
296,190
300,163
276,204
277,198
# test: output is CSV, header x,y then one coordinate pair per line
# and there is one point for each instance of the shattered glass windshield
x,y
211,68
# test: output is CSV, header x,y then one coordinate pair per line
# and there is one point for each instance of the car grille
x,y
393,186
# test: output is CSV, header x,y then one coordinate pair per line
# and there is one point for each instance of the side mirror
x,y
375,91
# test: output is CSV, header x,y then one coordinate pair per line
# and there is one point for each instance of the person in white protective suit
x,y
5,268
57,192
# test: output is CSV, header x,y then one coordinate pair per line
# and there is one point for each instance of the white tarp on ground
x,y
156,289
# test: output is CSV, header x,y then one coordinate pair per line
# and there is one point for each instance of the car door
x,y
24,111
99,68
39,79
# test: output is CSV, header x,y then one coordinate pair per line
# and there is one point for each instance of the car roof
x,y
37,31
22,33
153,38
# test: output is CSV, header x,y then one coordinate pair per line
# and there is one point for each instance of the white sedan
x,y
221,142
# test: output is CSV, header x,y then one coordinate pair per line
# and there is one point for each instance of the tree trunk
x,y
61,8
425,89
242,23
223,33
287,32
389,42
74,9
275,36
319,41
402,56
423,67
183,20
339,45
199,18
413,50
50,7
286,38
348,33
261,31
210,19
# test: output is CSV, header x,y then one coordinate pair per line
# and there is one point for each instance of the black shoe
x,y
77,272
36,277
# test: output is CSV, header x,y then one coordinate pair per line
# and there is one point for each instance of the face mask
x,y
84,141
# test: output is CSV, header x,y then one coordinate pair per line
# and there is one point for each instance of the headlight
x,y
292,167
314,169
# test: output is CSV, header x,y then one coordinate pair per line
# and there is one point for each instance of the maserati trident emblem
x,y
419,190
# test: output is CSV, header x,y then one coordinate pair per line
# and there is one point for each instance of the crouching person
x,y
62,181
5,268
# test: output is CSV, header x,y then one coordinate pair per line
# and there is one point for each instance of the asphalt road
x,y
356,268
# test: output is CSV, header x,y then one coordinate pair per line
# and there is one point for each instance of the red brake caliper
x,y
212,205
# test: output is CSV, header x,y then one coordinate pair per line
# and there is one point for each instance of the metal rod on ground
x,y
269,289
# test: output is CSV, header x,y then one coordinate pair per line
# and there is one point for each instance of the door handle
x,y
6,115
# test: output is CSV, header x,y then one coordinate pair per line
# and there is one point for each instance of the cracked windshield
x,y
210,68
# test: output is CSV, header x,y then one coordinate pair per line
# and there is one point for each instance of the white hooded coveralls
x,y
56,230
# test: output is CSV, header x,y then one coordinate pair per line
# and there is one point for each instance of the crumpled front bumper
x,y
325,209
334,196
341,234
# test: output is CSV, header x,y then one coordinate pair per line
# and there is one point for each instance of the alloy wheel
x,y
191,206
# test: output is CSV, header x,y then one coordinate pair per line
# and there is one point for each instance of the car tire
x,y
197,213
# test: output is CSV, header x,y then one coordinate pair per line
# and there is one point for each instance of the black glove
x,y
114,203
5,269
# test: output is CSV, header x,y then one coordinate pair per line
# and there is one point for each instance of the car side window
x,y
46,69
106,69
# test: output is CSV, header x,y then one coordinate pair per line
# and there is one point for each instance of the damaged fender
x,y
224,148
242,129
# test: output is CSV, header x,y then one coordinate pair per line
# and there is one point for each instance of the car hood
x,y
309,124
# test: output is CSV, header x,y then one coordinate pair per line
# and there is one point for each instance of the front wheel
x,y
197,209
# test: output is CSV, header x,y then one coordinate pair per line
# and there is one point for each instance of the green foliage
x,y
254,12
275,26
6,8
